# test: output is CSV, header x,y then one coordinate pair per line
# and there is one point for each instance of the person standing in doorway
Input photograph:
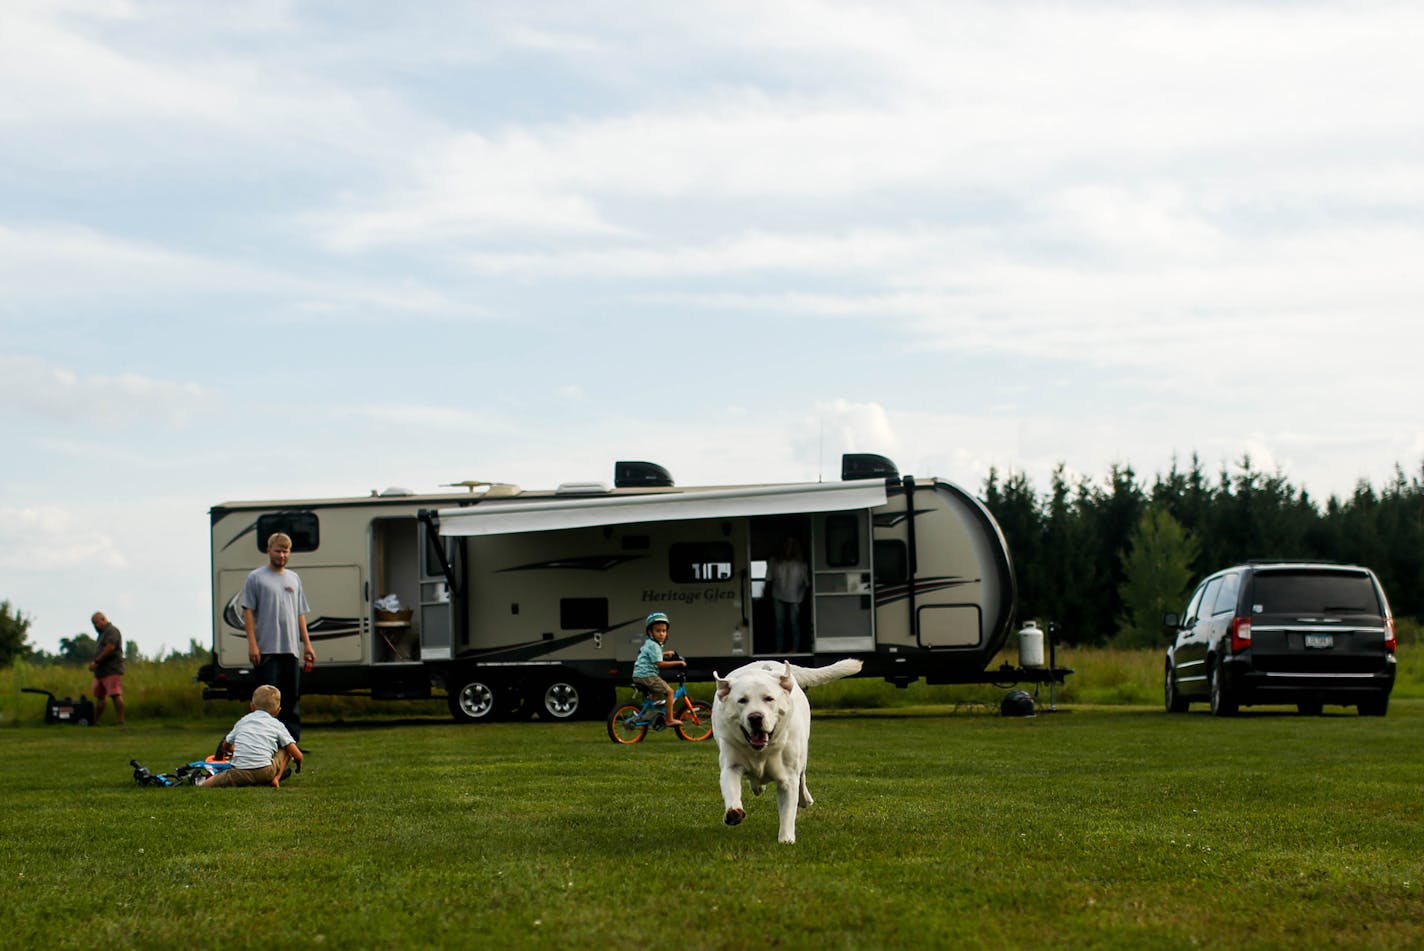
x,y
108,667
274,611
790,579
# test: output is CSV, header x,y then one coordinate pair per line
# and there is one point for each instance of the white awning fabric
x,y
503,518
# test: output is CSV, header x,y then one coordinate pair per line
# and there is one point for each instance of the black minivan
x,y
1306,633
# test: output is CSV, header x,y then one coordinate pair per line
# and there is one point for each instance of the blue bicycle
x,y
629,722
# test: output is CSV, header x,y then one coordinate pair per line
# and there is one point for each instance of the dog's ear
x,y
787,680
724,687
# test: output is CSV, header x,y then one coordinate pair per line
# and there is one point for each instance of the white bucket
x,y
1030,646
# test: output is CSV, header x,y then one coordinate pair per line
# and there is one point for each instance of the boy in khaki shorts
x,y
259,745
652,660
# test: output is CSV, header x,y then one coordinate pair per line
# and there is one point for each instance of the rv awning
x,y
502,518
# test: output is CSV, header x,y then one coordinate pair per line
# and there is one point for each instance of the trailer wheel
x,y
569,697
474,699
562,698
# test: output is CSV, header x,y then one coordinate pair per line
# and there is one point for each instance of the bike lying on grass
x,y
629,722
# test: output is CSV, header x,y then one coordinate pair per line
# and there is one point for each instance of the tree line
x,y
1106,560
76,650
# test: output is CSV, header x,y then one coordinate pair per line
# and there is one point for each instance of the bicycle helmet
x,y
654,618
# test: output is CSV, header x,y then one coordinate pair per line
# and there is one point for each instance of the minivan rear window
x,y
1313,592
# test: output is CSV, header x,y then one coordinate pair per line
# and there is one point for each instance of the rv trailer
x,y
515,602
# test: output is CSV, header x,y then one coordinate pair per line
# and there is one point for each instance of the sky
x,y
307,249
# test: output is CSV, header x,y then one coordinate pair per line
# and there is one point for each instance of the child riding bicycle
x,y
653,658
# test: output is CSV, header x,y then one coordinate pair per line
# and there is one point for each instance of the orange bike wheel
x,y
696,719
624,725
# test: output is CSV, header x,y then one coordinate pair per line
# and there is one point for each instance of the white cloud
x,y
1029,101
843,426
866,252
405,417
55,265
36,389
146,71
48,538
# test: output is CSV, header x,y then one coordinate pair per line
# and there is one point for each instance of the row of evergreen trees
x,y
1106,561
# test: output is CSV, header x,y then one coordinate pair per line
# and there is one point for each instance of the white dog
x,y
762,722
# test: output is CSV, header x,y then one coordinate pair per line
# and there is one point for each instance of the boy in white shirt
x,y
260,746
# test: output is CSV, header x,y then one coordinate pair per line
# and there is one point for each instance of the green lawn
x,y
1094,827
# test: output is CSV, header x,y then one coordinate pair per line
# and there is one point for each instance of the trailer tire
x,y
566,696
560,697
474,698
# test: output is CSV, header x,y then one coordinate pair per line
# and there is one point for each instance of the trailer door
x,y
841,582
437,613
334,621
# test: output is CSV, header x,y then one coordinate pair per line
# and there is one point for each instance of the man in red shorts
x,y
108,667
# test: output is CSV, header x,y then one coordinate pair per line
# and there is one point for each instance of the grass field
x,y
1095,827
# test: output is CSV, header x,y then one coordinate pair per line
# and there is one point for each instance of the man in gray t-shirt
x,y
274,612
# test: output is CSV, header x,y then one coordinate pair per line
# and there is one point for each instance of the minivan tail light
x,y
1240,634
1389,640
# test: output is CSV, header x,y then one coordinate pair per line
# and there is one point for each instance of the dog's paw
x,y
734,816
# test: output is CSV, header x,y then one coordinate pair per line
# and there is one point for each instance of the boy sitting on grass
x,y
259,745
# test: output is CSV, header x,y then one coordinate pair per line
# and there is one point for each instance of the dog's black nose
x,y
755,720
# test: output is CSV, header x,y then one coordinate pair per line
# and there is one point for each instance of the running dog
x,y
762,723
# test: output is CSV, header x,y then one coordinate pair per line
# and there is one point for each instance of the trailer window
x,y
303,527
698,562
583,614
892,562
758,574
842,541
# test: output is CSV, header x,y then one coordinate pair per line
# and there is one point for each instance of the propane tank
x,y
1030,645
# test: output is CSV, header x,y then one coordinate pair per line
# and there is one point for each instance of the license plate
x,y
1320,640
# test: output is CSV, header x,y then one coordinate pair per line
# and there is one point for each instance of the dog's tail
x,y
815,676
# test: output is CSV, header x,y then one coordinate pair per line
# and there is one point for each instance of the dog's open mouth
x,y
757,738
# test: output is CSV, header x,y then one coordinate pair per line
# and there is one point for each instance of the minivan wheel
x,y
1374,708
1174,701
1223,704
